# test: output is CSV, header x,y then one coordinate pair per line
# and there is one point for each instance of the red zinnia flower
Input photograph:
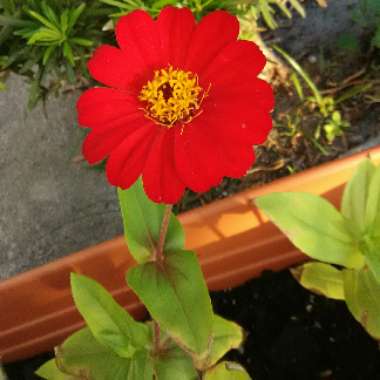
x,y
183,105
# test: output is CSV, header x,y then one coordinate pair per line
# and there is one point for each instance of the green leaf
x,y
81,41
303,74
49,13
48,52
173,363
314,226
176,296
321,278
362,294
42,20
44,35
266,11
141,367
298,7
6,20
64,21
116,3
110,324
82,357
355,197
68,53
50,371
142,220
74,15
297,85
372,215
354,91
227,371
371,250
226,335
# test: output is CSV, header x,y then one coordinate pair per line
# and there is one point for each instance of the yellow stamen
x,y
171,96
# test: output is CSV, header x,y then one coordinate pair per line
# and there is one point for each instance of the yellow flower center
x,y
171,96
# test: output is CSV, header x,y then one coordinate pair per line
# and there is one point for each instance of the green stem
x,y
159,258
164,229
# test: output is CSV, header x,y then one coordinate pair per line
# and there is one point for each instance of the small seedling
x,y
335,126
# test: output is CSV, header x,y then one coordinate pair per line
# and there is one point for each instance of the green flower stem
x,y
159,257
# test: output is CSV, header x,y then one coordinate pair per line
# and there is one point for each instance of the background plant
x,y
49,41
367,15
346,243
330,122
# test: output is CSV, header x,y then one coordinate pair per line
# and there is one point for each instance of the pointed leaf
x,y
141,367
49,13
48,52
322,279
50,371
362,293
142,220
75,14
81,41
110,324
372,215
42,20
68,53
82,357
354,201
313,225
175,364
176,296
371,250
227,371
226,335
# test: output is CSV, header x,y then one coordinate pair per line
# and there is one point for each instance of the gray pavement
x,y
49,205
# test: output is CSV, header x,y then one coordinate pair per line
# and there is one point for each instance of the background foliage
x,y
49,41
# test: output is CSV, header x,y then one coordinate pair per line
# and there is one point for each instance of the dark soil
x,y
24,369
295,335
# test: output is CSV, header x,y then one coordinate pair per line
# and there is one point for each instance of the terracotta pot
x,y
234,242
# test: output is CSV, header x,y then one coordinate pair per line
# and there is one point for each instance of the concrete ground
x,y
50,205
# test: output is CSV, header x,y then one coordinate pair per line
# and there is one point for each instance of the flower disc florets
x,y
171,96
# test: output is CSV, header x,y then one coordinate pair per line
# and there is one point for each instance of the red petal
x,y
215,31
175,26
99,143
236,158
160,178
235,61
197,158
238,122
112,67
127,161
138,36
243,93
102,108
